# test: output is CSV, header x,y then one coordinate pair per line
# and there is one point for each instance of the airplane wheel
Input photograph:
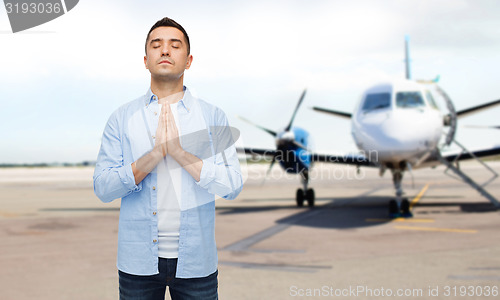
x,y
393,209
405,208
300,197
310,197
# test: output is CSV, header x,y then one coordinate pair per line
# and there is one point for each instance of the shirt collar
x,y
185,102
150,97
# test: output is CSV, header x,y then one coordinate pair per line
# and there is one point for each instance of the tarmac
x,y
58,241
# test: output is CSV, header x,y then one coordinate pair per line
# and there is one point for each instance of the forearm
x,y
113,182
144,165
189,162
222,176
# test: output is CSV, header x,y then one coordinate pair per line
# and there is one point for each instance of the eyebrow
x,y
160,39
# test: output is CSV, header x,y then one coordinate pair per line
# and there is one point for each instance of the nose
x,y
165,51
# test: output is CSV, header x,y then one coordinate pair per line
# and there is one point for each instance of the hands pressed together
x,y
166,142
167,135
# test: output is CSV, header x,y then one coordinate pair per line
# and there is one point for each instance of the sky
x,y
60,81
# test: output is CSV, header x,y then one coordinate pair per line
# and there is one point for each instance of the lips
x,y
164,61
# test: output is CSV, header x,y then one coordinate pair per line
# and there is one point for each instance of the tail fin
x,y
407,57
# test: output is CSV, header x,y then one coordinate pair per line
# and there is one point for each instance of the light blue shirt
x,y
126,138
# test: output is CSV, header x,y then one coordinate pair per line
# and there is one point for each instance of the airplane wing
x,y
349,159
477,153
253,151
362,161
333,112
472,110
479,126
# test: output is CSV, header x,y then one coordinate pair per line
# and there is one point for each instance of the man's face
x,y
166,57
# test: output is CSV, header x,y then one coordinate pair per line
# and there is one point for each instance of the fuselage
x,y
294,158
397,123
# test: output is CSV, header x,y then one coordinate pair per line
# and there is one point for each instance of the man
x,y
166,154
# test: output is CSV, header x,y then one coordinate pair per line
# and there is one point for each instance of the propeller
x,y
300,145
269,170
296,108
273,133
450,119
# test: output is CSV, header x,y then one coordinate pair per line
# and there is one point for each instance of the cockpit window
x,y
377,101
409,99
431,100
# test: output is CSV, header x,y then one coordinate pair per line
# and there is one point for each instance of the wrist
x,y
158,153
177,154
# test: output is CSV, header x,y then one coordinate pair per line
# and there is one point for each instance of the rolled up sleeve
x,y
113,178
221,173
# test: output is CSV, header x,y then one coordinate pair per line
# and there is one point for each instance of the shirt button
x,y
154,188
154,97
154,241
154,213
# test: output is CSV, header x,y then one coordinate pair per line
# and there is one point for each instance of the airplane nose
x,y
287,135
284,137
400,134
403,132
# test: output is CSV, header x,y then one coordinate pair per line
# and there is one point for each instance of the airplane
x,y
398,126
292,153
488,127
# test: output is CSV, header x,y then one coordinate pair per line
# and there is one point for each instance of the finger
x,y
163,116
167,115
162,129
171,116
168,110
167,119
161,119
171,120
162,106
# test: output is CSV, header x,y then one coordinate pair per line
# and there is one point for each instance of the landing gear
x,y
403,209
306,193
300,197
393,209
310,197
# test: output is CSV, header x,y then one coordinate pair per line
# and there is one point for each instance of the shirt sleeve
x,y
221,173
113,178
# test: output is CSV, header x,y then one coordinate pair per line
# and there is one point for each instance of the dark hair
x,y
167,22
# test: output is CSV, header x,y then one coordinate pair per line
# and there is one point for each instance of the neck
x,y
172,91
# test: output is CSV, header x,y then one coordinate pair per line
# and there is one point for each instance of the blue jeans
x,y
153,287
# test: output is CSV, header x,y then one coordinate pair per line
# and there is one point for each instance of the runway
x,y
58,241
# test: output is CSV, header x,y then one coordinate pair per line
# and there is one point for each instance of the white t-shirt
x,y
169,197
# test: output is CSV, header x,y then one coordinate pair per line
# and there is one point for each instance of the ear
x,y
146,61
189,61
